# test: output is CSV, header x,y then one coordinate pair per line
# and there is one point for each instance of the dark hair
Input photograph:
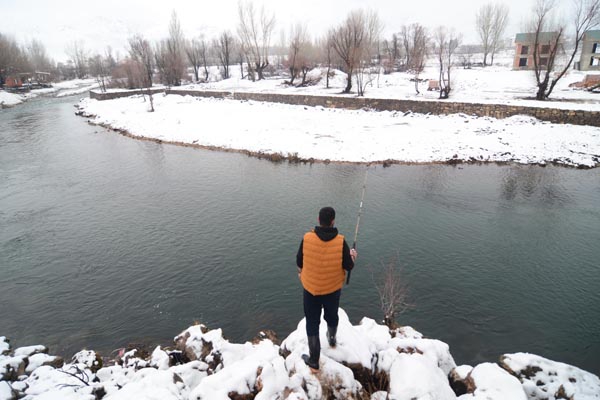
x,y
326,216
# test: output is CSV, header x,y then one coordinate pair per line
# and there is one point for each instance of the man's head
x,y
326,216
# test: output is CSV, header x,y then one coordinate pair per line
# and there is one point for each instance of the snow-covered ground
x,y
370,361
346,135
497,84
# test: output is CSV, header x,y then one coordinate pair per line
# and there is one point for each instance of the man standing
x,y
322,258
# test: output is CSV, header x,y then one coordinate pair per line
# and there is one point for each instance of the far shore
x,y
304,134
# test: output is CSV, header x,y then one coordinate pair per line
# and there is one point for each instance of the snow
x,y
37,360
497,84
415,367
347,135
543,378
29,350
10,99
414,376
4,345
494,383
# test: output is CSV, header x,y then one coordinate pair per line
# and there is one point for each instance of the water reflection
x,y
541,184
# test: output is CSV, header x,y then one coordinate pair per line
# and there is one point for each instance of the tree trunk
x,y
196,73
541,93
484,59
348,83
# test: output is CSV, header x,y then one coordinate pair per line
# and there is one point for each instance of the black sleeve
x,y
347,262
300,256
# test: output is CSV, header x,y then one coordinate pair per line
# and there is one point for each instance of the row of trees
x,y
15,58
355,46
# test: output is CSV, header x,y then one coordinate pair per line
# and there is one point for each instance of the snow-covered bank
x,y
10,99
60,89
370,362
301,132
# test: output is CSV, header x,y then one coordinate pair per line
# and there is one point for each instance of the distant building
x,y
524,45
13,82
590,51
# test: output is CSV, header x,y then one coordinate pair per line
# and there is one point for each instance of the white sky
x,y
110,22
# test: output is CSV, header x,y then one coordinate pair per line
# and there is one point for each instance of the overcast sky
x,y
110,22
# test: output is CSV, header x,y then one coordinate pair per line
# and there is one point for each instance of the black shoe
x,y
314,348
331,332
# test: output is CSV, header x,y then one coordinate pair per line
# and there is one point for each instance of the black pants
x,y
312,310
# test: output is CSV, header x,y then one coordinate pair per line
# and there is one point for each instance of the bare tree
x,y
491,20
298,45
366,71
13,59
79,56
193,51
415,41
169,54
100,69
140,52
498,28
392,291
351,41
392,53
224,48
445,43
38,59
549,41
255,36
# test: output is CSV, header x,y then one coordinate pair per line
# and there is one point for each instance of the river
x,y
107,240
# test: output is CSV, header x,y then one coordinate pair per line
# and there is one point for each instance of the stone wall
x,y
436,107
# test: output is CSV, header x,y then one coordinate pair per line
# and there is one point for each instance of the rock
x,y
4,346
488,381
30,350
437,351
458,380
41,359
11,368
266,335
7,392
417,377
160,359
89,358
543,378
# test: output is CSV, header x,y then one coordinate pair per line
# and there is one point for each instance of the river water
x,y
107,240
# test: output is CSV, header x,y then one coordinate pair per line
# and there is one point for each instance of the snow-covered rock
x,y
546,379
30,350
9,99
4,345
490,382
152,384
417,377
370,361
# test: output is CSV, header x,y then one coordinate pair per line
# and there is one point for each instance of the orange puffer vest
x,y
322,271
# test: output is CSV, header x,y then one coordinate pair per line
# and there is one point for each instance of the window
x,y
543,61
595,62
545,49
522,62
524,49
596,48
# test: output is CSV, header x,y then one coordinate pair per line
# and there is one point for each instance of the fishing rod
x,y
358,219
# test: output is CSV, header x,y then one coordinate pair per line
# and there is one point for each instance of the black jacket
x,y
326,234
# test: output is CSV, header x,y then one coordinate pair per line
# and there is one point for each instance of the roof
x,y
592,35
544,37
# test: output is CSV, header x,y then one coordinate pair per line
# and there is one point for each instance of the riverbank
x,y
302,133
370,361
60,89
